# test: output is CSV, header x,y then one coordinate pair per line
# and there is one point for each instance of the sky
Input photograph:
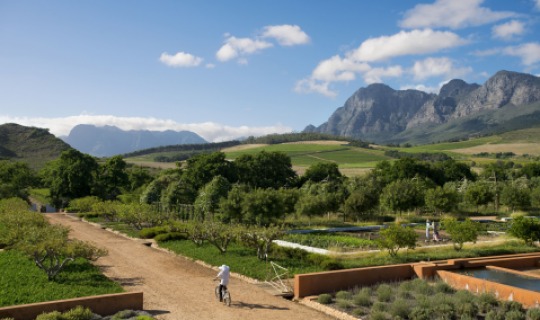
x,y
236,68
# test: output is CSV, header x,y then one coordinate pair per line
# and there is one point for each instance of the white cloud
x,y
436,67
311,85
537,4
507,31
286,35
529,53
406,43
210,131
235,47
421,87
453,14
180,59
376,74
338,69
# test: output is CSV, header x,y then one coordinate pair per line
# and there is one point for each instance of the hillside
x,y
35,146
506,101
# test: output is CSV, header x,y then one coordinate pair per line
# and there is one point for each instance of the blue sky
x,y
225,69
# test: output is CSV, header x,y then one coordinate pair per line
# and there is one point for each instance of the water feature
x,y
507,278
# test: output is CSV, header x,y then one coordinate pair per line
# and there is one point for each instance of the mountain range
x,y
506,101
109,140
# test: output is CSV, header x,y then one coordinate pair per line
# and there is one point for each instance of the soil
x,y
177,288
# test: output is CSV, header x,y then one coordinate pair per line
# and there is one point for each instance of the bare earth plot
x,y
176,288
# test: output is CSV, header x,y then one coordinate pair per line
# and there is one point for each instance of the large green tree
x,y
71,176
15,179
112,178
402,195
202,168
441,199
266,170
322,171
209,197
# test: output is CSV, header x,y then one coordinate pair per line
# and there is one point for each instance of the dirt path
x,y
176,288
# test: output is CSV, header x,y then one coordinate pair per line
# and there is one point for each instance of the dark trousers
x,y
222,288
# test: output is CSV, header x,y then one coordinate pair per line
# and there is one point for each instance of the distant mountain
x,y
35,146
109,140
381,114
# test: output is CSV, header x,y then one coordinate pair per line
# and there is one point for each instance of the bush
x,y
515,315
125,314
466,309
78,313
420,313
55,315
324,298
344,303
379,306
331,264
343,294
82,205
443,287
384,292
486,301
358,312
170,236
495,315
511,306
363,300
150,233
400,309
378,315
533,314
421,287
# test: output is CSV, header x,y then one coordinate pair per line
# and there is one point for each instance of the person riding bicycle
x,y
224,274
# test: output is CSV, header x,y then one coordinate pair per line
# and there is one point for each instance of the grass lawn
x,y
21,281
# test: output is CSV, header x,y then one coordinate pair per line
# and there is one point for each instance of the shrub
x,y
170,236
78,313
384,292
55,315
331,264
379,306
150,233
125,314
533,314
400,309
324,298
378,315
82,204
421,287
486,301
347,295
466,309
344,303
515,315
443,287
358,312
495,315
511,306
362,299
420,313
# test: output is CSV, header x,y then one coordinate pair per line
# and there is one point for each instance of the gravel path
x,y
176,288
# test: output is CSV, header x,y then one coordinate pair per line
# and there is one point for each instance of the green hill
x,y
35,146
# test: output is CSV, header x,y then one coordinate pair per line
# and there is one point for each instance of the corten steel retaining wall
x,y
503,292
104,305
331,281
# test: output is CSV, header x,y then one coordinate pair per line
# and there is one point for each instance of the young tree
x,y
360,203
526,229
401,195
218,234
396,237
515,197
260,238
262,207
478,194
461,232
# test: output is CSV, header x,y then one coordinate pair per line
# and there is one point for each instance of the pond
x,y
507,278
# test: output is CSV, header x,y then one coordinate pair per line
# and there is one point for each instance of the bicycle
x,y
226,295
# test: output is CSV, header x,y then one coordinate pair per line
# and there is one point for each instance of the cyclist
x,y
224,273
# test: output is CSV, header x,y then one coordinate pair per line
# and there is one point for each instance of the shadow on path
x,y
244,305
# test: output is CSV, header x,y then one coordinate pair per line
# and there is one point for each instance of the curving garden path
x,y
176,288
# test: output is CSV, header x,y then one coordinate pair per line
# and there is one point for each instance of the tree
x,y
15,178
231,206
311,205
327,171
515,197
360,203
461,231
478,194
401,195
262,207
207,201
265,170
202,168
395,237
71,176
219,234
441,199
260,238
535,197
112,178
526,229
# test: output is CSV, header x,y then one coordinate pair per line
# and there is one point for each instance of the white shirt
x,y
224,274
